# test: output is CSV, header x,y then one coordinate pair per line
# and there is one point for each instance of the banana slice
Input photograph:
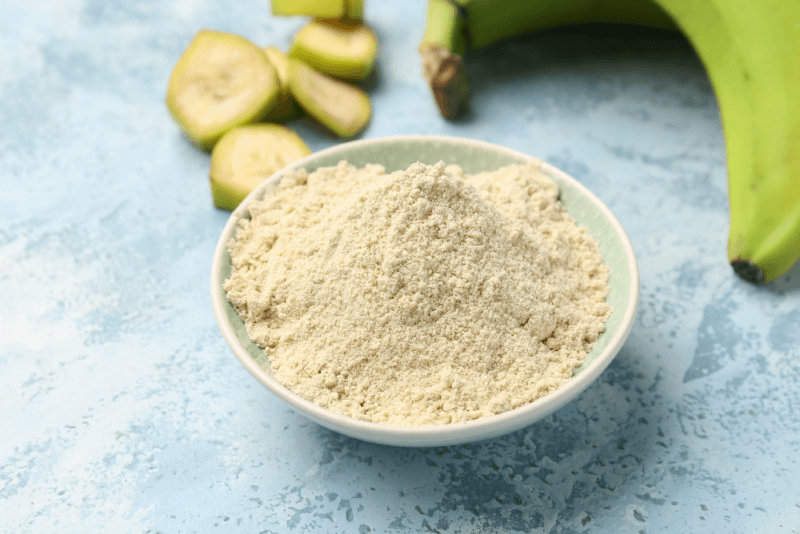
x,y
344,50
333,9
343,108
248,155
285,107
355,9
221,81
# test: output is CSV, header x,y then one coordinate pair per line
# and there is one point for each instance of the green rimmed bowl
x,y
397,153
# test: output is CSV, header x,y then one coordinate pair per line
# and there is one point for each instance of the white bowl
x,y
397,153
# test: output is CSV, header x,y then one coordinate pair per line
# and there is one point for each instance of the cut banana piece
x,y
326,9
355,9
342,50
248,155
285,107
221,81
343,108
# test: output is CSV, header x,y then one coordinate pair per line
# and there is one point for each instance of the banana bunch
x,y
751,51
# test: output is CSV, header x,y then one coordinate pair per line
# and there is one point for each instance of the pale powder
x,y
424,296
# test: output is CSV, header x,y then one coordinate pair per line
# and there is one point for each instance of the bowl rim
x,y
429,435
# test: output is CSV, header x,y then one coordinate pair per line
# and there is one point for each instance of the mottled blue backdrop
x,y
123,410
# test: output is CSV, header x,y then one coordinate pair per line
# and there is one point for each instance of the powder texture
x,y
423,296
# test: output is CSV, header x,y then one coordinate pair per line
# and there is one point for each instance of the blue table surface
x,y
123,409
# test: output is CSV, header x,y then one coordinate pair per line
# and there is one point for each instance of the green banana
x,y
455,26
751,51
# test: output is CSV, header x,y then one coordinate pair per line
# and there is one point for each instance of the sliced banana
x,y
355,9
248,155
333,9
221,81
344,50
343,108
285,107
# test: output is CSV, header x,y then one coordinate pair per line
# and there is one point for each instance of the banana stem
x,y
447,77
442,50
446,26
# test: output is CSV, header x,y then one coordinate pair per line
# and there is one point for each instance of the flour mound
x,y
424,296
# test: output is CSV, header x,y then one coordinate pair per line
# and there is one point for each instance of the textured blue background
x,y
123,410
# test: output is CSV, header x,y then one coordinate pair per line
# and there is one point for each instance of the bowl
x,y
397,153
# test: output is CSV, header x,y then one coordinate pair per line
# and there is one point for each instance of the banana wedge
x,y
355,9
285,108
325,9
221,81
342,108
248,155
343,50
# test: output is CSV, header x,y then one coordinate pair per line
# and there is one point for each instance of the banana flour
x,y
421,297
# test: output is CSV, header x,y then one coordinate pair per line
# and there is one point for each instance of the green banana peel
x,y
751,51
456,26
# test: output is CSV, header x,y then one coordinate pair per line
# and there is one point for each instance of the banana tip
x,y
748,271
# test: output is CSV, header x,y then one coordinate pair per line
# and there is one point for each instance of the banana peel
x,y
751,51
